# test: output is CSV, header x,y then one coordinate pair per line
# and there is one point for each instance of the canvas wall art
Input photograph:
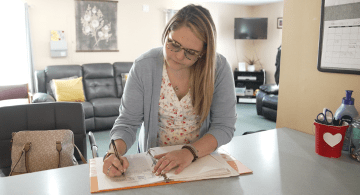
x,y
96,26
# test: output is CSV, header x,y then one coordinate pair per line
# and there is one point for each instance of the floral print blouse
x,y
178,122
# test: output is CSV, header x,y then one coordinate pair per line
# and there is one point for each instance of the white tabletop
x,y
283,162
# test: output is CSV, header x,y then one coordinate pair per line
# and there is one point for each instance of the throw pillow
x,y
51,85
124,77
69,90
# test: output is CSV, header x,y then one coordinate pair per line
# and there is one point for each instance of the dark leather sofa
x,y
43,116
103,88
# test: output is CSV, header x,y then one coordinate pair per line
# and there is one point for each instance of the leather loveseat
x,y
103,89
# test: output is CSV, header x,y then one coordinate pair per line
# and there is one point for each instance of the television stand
x,y
246,84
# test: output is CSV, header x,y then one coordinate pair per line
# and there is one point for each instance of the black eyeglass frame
x,y
197,53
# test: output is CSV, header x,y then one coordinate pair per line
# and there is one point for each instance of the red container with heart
x,y
329,139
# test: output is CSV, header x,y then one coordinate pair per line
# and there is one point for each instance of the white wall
x,y
267,49
140,31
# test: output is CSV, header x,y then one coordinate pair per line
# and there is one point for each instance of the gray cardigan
x,y
140,103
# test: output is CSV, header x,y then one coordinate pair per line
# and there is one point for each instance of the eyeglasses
x,y
189,53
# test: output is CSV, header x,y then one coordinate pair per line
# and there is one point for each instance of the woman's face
x,y
186,39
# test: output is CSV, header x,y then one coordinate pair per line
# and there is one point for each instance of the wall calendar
x,y
339,43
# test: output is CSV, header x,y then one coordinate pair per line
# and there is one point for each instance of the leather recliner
x,y
43,116
267,100
267,97
103,88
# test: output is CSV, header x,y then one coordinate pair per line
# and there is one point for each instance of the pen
x,y
117,155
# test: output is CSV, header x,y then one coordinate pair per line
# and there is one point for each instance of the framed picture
x,y
279,23
96,26
339,50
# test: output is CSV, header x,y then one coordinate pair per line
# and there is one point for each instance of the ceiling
x,y
239,2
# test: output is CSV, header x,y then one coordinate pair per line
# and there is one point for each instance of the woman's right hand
x,y
112,166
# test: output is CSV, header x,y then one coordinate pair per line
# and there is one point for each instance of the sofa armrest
x,y
270,88
42,97
40,86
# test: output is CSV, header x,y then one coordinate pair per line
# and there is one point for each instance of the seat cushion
x,y
104,123
106,107
270,101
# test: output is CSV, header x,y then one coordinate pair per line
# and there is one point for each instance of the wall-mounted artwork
x,y
96,26
58,45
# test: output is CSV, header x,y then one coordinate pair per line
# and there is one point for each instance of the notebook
x,y
218,164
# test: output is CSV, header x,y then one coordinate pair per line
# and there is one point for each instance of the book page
x,y
237,167
138,173
222,159
206,167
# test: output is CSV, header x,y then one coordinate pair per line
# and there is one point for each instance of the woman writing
x,y
183,93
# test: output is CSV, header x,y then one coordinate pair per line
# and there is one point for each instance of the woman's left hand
x,y
177,158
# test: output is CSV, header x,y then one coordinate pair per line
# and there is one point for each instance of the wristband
x,y
193,151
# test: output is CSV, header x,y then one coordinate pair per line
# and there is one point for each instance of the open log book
x,y
139,174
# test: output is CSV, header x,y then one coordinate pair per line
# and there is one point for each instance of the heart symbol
x,y
331,139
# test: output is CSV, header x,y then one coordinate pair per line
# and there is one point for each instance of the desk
x,y
283,160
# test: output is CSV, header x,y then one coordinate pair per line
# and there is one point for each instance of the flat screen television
x,y
250,28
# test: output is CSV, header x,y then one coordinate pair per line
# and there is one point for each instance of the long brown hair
x,y
202,74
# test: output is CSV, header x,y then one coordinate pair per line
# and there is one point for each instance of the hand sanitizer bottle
x,y
348,110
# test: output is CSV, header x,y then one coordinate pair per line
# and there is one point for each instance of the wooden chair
x,y
14,94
